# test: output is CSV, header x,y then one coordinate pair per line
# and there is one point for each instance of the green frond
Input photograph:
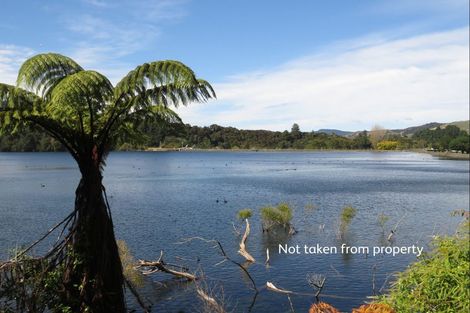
x,y
158,113
15,105
42,72
129,129
172,94
150,75
78,99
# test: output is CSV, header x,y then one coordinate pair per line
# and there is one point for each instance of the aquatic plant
x,y
244,214
346,216
280,215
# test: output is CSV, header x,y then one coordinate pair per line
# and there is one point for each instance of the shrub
x,y
387,145
347,214
244,214
280,215
439,282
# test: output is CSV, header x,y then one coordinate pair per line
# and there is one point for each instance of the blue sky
x,y
322,64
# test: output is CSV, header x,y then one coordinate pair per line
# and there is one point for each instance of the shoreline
x,y
447,155
442,155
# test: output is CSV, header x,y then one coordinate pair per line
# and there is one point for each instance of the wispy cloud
x,y
113,30
11,58
97,3
353,86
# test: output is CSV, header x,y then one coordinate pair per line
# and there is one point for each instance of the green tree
x,y
295,131
87,114
460,143
362,141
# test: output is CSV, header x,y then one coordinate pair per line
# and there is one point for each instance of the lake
x,y
160,198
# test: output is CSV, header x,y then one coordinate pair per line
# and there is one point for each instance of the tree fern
x,y
82,109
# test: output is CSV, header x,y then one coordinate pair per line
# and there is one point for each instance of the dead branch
x,y
394,229
210,303
267,257
242,250
159,265
65,220
316,281
226,257
270,286
291,305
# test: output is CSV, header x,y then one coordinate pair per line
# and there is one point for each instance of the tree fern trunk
x,y
93,276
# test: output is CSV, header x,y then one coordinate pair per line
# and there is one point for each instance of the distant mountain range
x,y
338,132
464,125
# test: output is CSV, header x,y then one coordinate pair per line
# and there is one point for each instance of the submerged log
x,y
242,251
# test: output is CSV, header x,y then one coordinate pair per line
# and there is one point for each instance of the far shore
x,y
443,155
446,155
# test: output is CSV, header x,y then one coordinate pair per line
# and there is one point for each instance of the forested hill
x,y
439,138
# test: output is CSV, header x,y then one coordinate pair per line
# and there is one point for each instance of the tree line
x,y
177,135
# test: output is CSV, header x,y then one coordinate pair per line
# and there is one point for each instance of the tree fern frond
x,y
129,125
149,75
79,99
42,72
15,104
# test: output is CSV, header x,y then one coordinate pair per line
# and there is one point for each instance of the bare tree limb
x,y
242,251
160,265
272,287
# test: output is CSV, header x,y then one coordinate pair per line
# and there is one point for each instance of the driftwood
x,y
225,256
267,257
159,265
270,286
210,303
242,251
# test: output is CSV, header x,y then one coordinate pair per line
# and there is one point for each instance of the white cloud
x,y
11,58
353,86
103,41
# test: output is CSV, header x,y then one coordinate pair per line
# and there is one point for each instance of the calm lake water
x,y
159,199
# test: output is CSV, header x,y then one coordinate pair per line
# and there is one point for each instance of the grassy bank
x,y
439,282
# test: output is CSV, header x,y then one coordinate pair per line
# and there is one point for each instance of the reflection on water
x,y
159,199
